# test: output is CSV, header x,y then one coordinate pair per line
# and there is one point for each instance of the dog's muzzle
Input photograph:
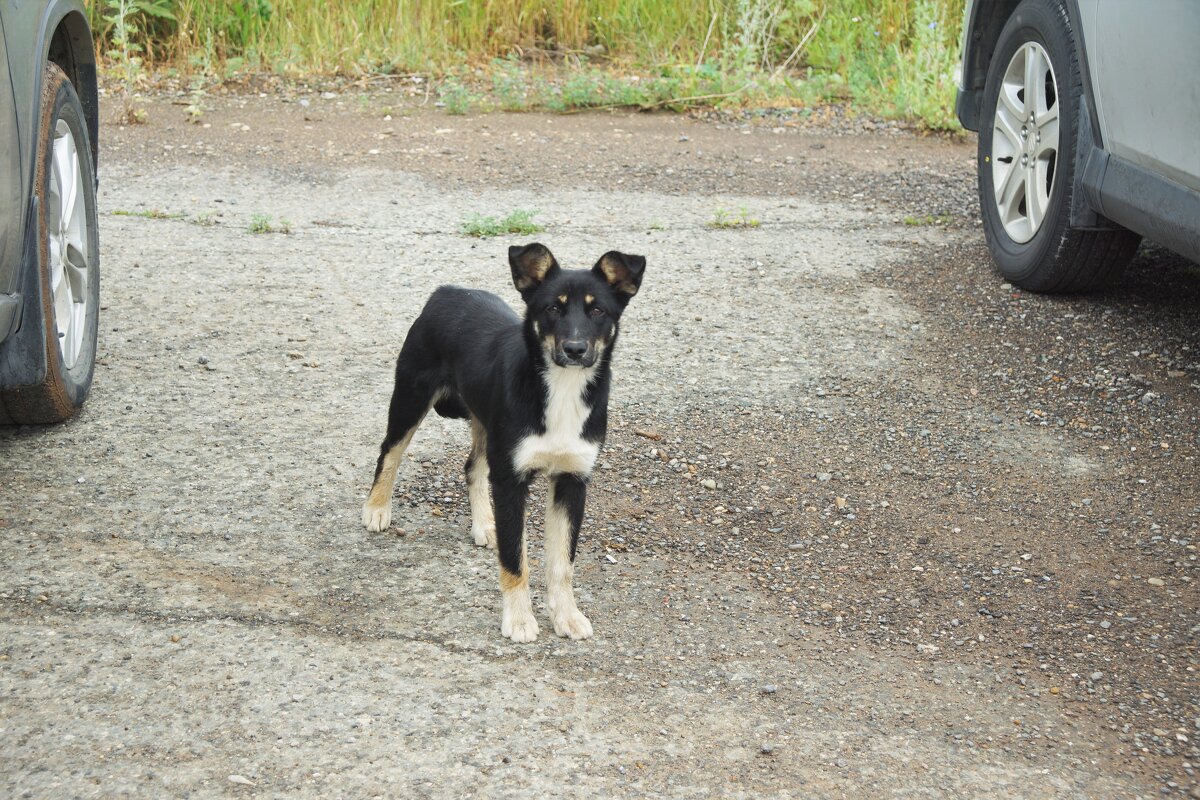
x,y
575,353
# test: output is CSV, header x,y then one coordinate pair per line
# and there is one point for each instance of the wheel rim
x,y
1025,142
66,221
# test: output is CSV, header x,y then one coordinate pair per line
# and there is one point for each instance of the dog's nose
x,y
575,349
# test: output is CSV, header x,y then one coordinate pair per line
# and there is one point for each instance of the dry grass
x,y
895,56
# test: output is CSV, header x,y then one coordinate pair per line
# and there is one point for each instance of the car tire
x,y
63,297
1027,142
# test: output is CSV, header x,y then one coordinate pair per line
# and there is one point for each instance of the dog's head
x,y
574,313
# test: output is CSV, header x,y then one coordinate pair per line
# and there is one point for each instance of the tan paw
x,y
572,624
520,626
377,518
484,535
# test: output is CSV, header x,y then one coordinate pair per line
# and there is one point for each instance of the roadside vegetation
x,y
723,218
262,223
519,221
893,58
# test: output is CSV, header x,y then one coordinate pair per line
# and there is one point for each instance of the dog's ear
x,y
623,272
530,265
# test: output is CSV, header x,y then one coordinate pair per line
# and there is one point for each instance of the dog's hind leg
x,y
564,516
410,403
516,617
483,521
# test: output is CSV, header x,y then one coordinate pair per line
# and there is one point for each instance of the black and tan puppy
x,y
536,393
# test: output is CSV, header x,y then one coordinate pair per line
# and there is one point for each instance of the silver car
x,y
1089,133
49,252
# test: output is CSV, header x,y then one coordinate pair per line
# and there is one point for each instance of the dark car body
x,y
32,33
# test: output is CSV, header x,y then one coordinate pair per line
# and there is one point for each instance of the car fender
x,y
981,30
63,37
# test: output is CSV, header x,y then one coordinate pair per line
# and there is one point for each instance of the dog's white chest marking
x,y
562,447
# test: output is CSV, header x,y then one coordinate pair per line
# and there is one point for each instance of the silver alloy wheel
x,y
66,223
1025,142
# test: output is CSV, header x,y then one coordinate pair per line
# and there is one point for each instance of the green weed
x,y
122,23
928,219
510,85
195,108
153,213
519,221
456,98
723,219
262,223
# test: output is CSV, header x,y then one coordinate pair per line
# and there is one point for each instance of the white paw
x,y
572,624
377,518
520,626
485,535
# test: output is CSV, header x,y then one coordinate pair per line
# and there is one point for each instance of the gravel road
x,y
869,521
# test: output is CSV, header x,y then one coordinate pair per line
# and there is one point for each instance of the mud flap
x,y
23,354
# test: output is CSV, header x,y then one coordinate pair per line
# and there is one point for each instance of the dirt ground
x,y
869,522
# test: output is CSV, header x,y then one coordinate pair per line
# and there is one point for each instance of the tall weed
x,y
890,56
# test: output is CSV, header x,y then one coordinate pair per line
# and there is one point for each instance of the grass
x,y
519,221
891,57
928,219
262,223
723,219
152,213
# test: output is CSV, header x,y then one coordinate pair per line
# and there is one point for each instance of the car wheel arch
x,y
69,45
988,19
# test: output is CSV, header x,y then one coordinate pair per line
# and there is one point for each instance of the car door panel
x,y
11,183
1144,58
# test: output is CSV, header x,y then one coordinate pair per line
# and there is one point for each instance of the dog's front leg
x,y
564,516
516,619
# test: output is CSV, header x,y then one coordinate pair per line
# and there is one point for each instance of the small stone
x,y
1155,581
1097,675
1026,556
1054,690
176,638
770,688
1106,624
767,749
240,780
824,476
708,483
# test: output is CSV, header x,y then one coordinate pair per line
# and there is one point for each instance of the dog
x,y
535,391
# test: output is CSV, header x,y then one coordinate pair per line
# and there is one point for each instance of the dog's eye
x,y
553,311
597,312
